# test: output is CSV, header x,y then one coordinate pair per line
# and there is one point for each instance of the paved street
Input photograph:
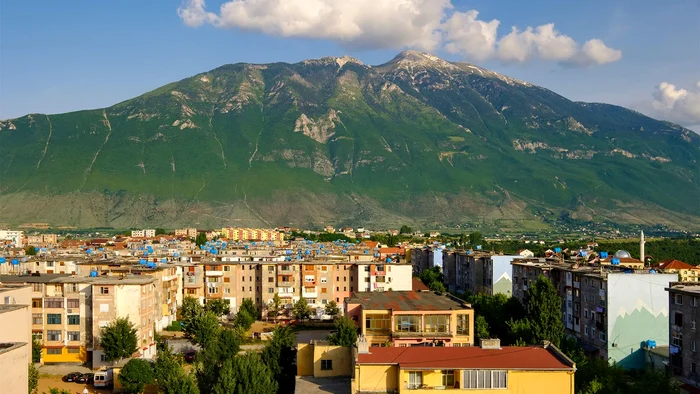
x,y
311,385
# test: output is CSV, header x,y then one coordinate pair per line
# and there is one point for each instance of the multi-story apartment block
x,y
69,311
147,233
186,232
412,318
42,240
15,337
378,276
14,236
685,271
251,234
611,311
684,335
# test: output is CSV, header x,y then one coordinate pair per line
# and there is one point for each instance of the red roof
x,y
675,265
508,357
418,285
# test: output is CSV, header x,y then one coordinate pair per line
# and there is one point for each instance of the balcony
x,y
285,284
421,334
214,273
309,294
284,293
190,283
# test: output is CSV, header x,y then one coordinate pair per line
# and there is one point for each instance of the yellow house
x,y
321,360
685,271
409,318
481,370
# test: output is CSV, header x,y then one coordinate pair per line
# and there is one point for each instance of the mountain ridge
x,y
386,144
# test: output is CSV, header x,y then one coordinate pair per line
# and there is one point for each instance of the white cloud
x,y
676,104
428,25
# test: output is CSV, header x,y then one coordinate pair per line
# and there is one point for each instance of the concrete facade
x,y
684,335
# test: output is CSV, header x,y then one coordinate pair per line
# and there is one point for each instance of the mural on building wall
x,y
637,311
503,274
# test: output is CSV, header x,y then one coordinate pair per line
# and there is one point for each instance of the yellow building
x,y
685,271
481,370
321,360
409,318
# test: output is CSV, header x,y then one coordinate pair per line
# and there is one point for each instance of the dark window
x,y
53,318
678,319
73,319
326,365
53,351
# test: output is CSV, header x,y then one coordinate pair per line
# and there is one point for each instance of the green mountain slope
x,y
333,141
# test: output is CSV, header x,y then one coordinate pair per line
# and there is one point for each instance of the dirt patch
x,y
45,383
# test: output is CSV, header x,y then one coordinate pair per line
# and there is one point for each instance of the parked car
x,y
190,356
72,377
86,378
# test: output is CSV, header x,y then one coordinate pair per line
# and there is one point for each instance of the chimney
x,y
362,345
493,343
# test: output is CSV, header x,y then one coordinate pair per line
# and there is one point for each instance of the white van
x,y
104,378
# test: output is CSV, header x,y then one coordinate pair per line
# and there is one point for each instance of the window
x,y
585,313
585,330
213,290
74,350
74,335
592,332
377,323
53,335
324,302
242,278
227,290
415,379
38,287
270,279
602,336
407,323
53,303
73,319
448,377
39,336
37,318
191,291
437,323
678,299
462,324
270,269
692,346
104,308
484,379
73,303
104,290
36,303
692,324
324,280
54,351
693,368
53,318
337,278
326,365
678,319
271,290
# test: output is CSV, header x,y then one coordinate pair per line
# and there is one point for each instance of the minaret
x,y
641,247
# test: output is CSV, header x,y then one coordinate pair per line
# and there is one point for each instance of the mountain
x,y
333,141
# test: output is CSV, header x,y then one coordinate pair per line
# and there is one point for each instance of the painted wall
x,y
305,359
503,274
519,382
637,311
377,378
14,376
309,357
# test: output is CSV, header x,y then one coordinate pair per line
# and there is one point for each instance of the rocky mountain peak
x,y
416,59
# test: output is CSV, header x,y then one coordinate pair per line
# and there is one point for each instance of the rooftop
x,y
684,287
406,301
9,346
675,265
4,308
508,357
66,278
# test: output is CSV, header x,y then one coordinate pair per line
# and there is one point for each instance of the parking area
x,y
311,385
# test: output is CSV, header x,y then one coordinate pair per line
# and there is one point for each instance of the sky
x,y
64,56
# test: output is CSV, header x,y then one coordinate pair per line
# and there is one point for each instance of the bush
x,y
174,327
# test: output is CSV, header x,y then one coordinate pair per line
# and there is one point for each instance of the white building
x,y
12,235
148,233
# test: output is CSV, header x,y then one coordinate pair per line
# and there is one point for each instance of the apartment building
x,y
486,368
186,232
685,271
684,336
15,337
147,233
42,240
408,318
611,311
67,312
251,234
381,276
16,237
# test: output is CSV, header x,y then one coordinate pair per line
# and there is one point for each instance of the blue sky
x,y
63,56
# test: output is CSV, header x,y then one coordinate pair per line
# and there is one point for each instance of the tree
x,y
190,308
200,239
248,306
433,278
543,306
301,309
135,375
219,306
405,230
243,320
119,340
36,350
345,332
160,231
274,307
245,374
30,251
332,309
171,377
202,329
33,380
476,238
481,327
226,346
280,356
